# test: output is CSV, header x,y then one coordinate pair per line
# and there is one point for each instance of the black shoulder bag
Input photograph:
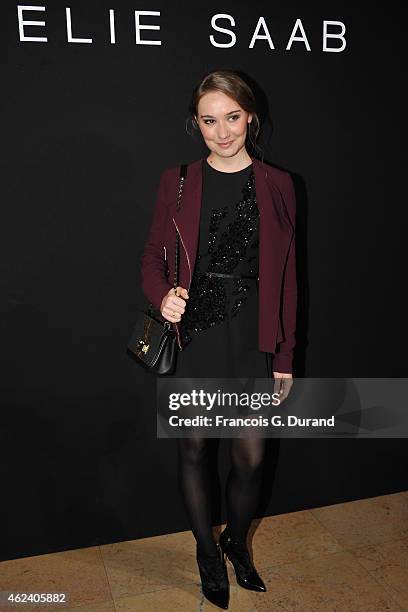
x,y
153,342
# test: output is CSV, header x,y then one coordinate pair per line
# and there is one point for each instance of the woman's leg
x,y
243,484
196,491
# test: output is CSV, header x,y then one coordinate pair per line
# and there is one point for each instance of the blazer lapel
x,y
187,218
275,231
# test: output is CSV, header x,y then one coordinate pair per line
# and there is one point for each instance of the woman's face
x,y
222,120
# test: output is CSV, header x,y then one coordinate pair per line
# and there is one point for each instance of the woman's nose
x,y
222,132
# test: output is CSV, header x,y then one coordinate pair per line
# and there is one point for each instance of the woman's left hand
x,y
283,384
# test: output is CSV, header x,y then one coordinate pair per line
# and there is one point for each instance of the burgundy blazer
x,y
277,267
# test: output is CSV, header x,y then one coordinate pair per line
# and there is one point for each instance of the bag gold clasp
x,y
143,346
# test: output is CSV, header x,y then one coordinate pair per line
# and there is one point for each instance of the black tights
x,y
242,487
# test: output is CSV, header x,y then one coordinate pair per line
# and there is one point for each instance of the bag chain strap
x,y
183,172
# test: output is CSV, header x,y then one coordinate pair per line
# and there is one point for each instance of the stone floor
x,y
346,557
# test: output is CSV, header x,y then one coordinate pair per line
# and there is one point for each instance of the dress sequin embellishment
x,y
216,218
233,242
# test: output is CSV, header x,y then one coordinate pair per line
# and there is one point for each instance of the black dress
x,y
220,323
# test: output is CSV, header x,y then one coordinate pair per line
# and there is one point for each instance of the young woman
x,y
235,309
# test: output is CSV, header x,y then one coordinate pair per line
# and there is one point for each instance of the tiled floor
x,y
347,557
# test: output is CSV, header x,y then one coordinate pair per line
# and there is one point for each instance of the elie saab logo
x,y
222,33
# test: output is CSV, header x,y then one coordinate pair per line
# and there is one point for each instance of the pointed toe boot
x,y
238,554
214,578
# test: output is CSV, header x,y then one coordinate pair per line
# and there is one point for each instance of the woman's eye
x,y
210,121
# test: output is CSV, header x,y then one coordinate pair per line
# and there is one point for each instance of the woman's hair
x,y
231,84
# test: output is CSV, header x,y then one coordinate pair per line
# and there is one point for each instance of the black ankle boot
x,y
238,554
214,578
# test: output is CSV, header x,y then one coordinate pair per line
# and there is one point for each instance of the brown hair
x,y
232,84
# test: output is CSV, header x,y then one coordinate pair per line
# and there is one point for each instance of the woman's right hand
x,y
173,305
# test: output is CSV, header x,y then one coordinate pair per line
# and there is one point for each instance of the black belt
x,y
218,274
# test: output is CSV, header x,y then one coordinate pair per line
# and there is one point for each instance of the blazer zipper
x,y
189,269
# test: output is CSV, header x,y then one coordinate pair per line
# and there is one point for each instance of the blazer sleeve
x,y
283,358
153,264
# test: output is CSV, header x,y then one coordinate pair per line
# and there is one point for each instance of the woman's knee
x,y
247,457
192,450
248,465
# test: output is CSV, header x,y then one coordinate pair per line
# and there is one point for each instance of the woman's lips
x,y
224,145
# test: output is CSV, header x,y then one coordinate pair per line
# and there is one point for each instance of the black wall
x,y
86,131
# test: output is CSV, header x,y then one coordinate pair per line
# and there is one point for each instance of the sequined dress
x,y
220,323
